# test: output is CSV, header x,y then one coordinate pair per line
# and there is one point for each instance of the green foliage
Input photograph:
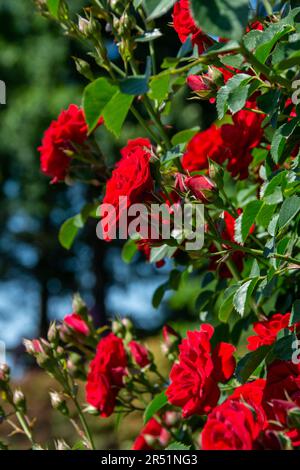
x,y
155,405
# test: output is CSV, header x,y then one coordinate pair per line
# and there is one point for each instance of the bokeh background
x,y
37,276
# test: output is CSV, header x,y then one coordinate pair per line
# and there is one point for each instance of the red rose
x,y
203,146
202,187
194,380
231,426
139,353
70,127
105,378
240,138
131,178
267,331
283,380
231,142
152,434
77,324
252,394
185,26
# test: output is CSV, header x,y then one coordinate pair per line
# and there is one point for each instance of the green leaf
x,y
219,18
233,95
115,112
227,307
129,250
243,295
155,405
288,211
246,220
265,214
178,446
53,6
71,226
185,136
279,147
159,87
295,315
137,85
159,295
203,299
249,363
269,38
96,96
69,230
157,8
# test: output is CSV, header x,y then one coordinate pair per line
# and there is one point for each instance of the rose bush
x,y
234,382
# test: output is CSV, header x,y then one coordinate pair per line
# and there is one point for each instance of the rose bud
x,y
140,354
52,334
206,85
180,182
59,403
170,335
202,187
19,400
77,324
4,373
198,82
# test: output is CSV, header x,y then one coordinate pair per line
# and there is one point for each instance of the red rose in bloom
x,y
231,426
239,139
131,178
268,330
77,324
152,434
252,394
194,380
283,380
185,26
70,127
231,142
139,353
203,146
105,377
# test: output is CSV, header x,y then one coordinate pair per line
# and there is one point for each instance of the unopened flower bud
x,y
53,335
202,85
117,328
83,25
91,410
202,187
79,306
4,373
150,439
19,400
60,444
140,354
59,403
